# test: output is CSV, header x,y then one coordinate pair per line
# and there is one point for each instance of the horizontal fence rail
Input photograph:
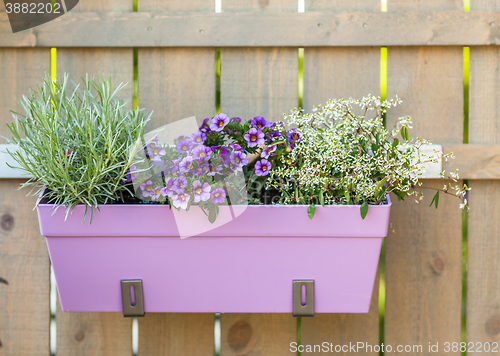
x,y
472,162
253,29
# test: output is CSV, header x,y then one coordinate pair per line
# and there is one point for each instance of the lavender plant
x,y
344,158
75,142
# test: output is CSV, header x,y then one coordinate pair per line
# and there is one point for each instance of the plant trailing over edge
x,y
344,158
75,143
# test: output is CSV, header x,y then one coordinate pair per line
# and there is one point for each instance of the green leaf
x,y
435,200
212,214
311,210
364,210
321,198
406,134
347,196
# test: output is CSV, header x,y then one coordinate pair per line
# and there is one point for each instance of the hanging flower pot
x,y
231,216
247,264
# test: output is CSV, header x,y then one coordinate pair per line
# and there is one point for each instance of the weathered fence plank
x,y
483,297
258,82
19,69
25,266
93,333
325,77
116,63
96,333
257,29
256,334
24,262
177,83
344,329
176,334
424,246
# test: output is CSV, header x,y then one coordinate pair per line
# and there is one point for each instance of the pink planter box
x,y
245,262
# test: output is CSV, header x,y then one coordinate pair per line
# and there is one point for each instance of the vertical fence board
x,y
20,69
24,262
344,329
177,334
483,294
424,246
24,302
258,82
177,83
257,334
96,333
114,63
106,334
340,72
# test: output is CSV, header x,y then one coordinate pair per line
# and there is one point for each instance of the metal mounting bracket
x,y
306,309
132,307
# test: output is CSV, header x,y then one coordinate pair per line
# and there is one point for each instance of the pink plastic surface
x,y
245,265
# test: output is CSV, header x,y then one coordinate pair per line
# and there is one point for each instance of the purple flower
x,y
294,135
236,147
201,193
266,152
254,137
218,122
202,153
155,193
214,148
180,184
224,155
146,188
218,196
186,164
205,125
231,166
213,170
239,159
176,162
184,146
168,191
262,167
236,119
275,134
259,122
158,151
131,174
181,200
198,137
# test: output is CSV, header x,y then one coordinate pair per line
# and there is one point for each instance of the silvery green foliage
x,y
349,158
76,143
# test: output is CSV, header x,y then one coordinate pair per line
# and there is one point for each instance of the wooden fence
x,y
177,42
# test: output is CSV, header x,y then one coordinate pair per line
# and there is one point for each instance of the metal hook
x,y
138,308
308,308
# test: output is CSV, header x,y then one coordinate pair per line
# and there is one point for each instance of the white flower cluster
x,y
347,156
